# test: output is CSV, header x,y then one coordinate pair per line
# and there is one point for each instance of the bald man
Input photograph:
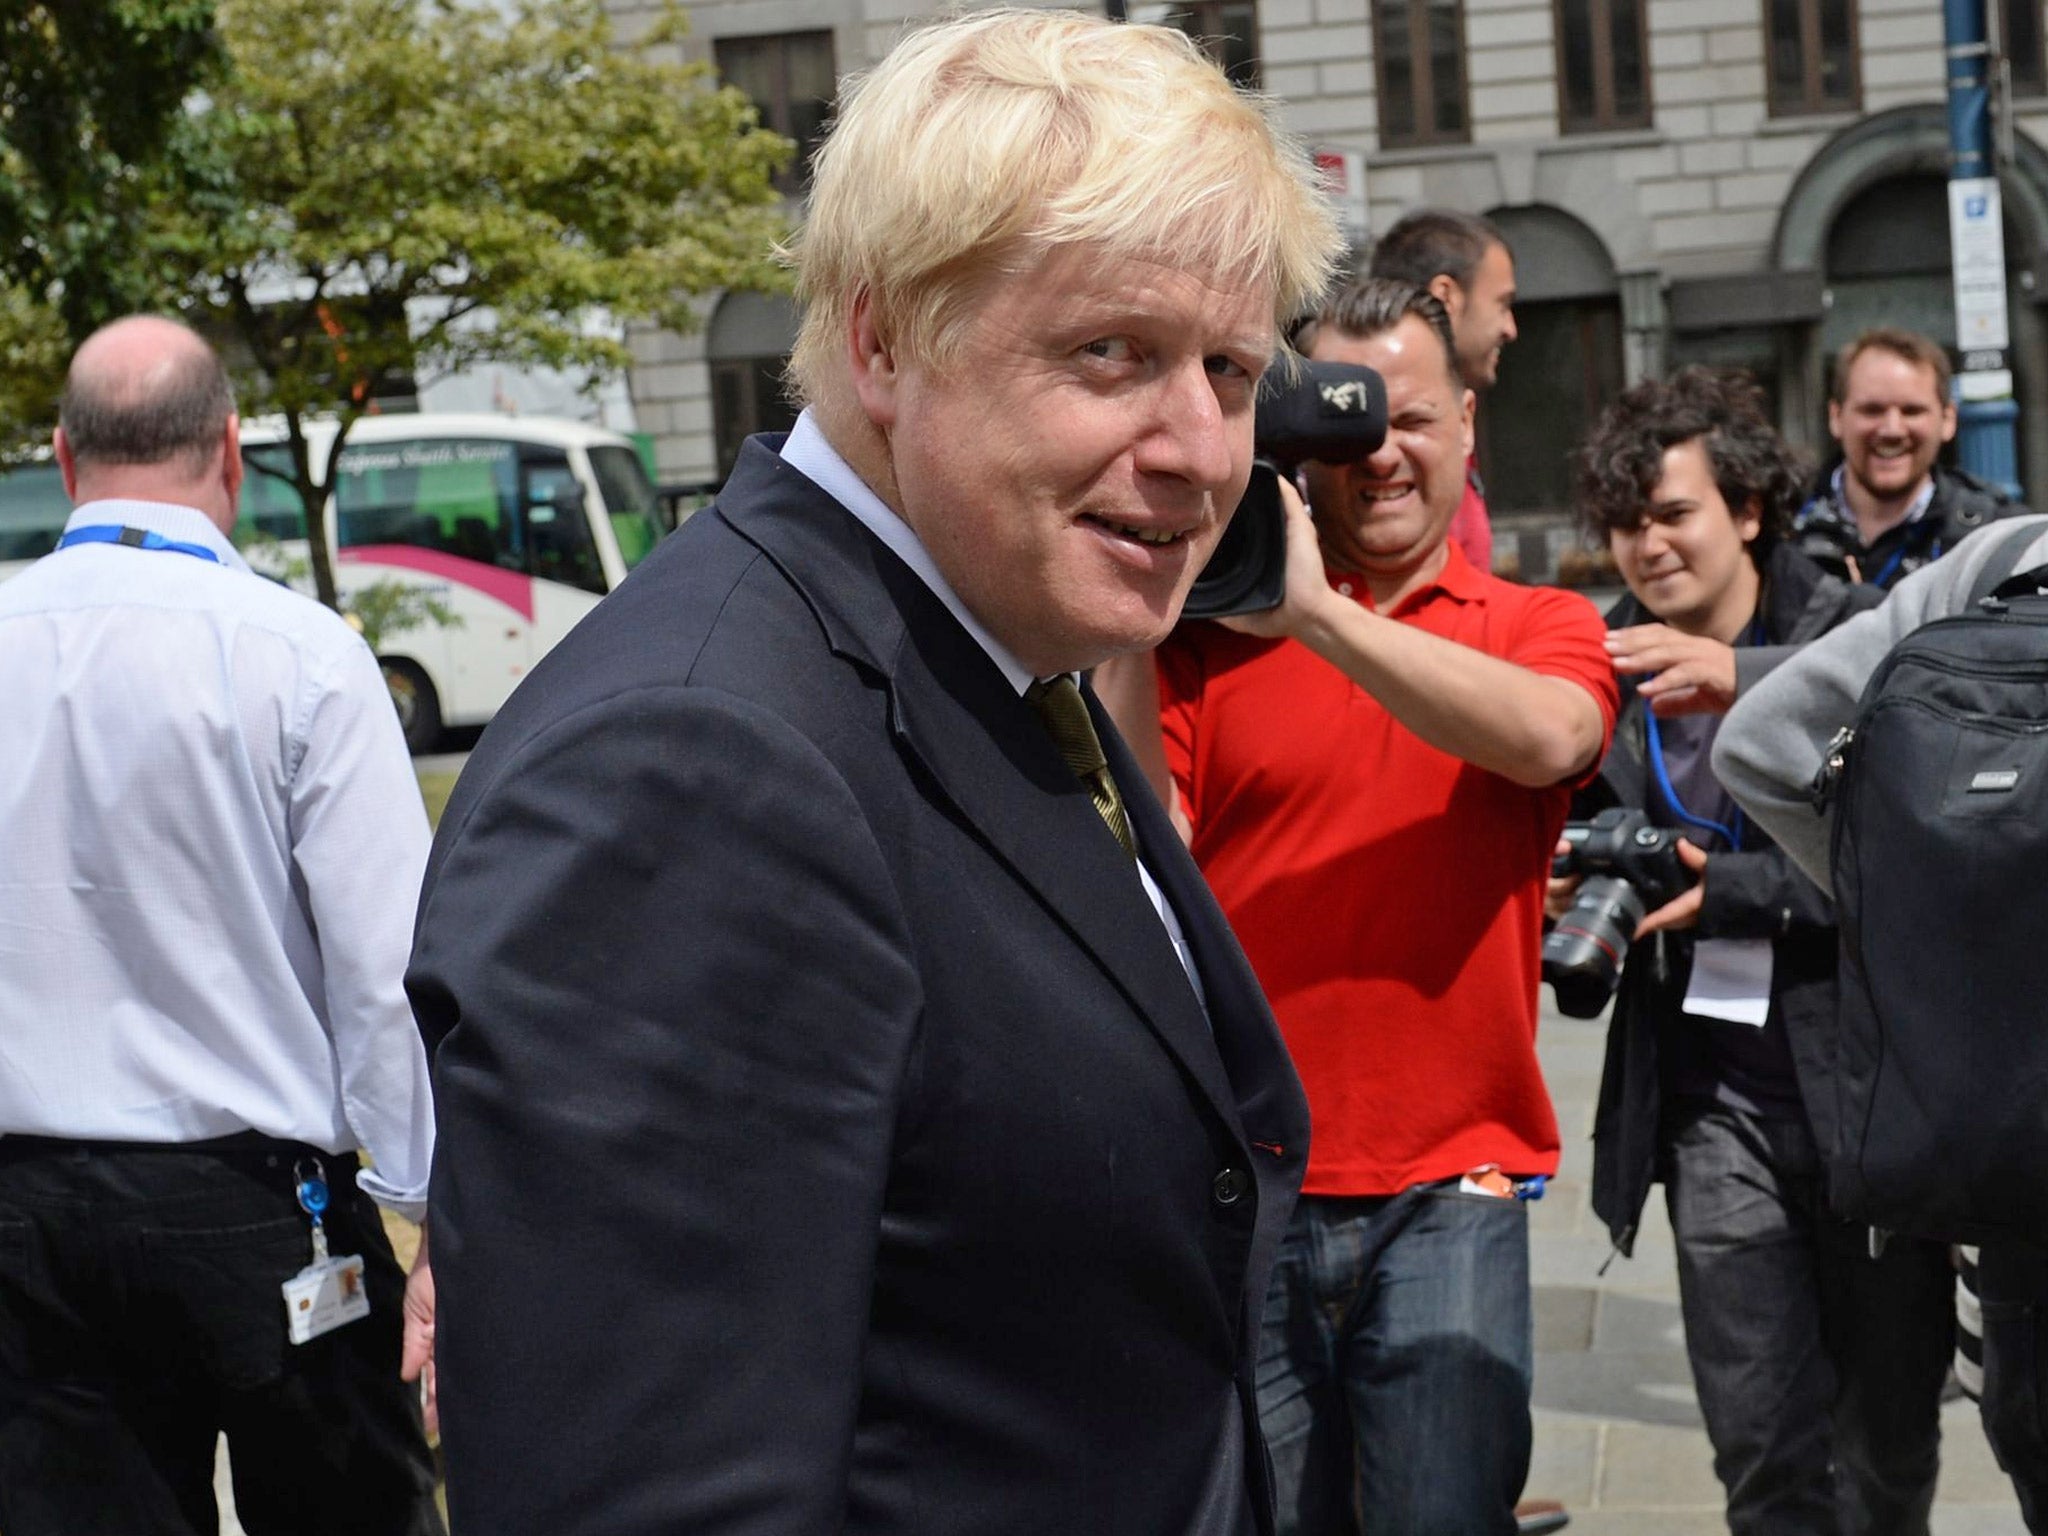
x,y
210,846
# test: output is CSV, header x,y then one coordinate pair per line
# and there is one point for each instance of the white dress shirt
x,y
211,846
811,454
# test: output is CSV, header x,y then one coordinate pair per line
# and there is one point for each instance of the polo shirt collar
x,y
1459,581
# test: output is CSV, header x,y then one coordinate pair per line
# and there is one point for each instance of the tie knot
x,y
1065,713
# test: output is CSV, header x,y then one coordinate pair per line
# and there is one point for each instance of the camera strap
x,y
1730,835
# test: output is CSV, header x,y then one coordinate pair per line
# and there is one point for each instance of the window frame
x,y
1422,99
1605,118
2032,83
1810,101
794,178
1202,20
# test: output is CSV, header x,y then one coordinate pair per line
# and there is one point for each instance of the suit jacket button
x,y
1231,1185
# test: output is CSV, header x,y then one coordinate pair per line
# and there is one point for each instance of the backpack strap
x,y
2004,562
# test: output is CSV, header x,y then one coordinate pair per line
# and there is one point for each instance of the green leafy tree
x,y
91,134
378,186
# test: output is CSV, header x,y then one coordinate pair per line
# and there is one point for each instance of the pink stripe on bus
x,y
508,587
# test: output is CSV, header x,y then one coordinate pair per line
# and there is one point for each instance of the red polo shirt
x,y
1389,895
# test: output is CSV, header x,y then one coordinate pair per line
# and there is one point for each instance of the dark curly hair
x,y
1622,460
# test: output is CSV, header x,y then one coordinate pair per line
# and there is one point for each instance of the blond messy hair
x,y
981,143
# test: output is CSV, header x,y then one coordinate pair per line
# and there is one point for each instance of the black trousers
x,y
2012,1280
141,1317
1819,1369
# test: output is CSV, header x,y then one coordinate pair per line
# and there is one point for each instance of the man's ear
x,y
1448,293
231,463
67,466
1948,422
1468,430
872,362
1749,522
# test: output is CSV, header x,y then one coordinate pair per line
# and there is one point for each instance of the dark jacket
x,y
1756,893
831,1139
1825,531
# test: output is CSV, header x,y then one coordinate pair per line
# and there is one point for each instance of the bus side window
x,y
451,495
270,507
559,546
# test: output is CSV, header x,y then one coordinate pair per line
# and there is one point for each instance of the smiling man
x,y
857,1115
1819,1367
1889,506
1374,775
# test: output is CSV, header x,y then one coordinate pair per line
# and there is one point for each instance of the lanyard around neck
x,y
133,538
1730,835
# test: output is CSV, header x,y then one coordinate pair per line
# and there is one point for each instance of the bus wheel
x,y
419,711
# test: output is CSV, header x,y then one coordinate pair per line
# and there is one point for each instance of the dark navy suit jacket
x,y
830,1139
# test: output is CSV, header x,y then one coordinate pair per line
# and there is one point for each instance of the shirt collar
x,y
1914,512
181,524
808,451
1458,580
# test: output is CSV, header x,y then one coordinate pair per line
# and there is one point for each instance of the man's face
x,y
1071,474
1688,560
1482,315
1387,515
1891,422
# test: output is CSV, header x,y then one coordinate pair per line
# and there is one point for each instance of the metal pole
x,y
1985,440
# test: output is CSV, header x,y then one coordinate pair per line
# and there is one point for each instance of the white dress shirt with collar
x,y
809,452
211,846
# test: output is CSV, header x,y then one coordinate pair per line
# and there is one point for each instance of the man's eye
x,y
1226,367
1115,349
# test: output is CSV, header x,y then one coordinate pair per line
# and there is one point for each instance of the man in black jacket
x,y
1887,506
1819,1368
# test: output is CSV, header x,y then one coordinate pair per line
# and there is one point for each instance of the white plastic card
x,y
1731,979
323,1296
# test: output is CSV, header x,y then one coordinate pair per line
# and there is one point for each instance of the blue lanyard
x,y
134,538
1891,566
1732,836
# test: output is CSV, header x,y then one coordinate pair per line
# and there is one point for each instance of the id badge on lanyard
x,y
328,1292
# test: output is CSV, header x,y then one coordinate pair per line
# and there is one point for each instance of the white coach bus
x,y
517,524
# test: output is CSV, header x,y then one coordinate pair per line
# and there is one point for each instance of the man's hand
x,y
1690,674
1307,585
1561,889
416,1358
1683,910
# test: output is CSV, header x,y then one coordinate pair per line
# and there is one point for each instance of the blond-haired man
x,y
858,1115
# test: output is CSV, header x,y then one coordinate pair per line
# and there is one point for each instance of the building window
x,y
1419,52
1228,31
747,397
2019,39
791,80
1555,379
1602,81
1812,47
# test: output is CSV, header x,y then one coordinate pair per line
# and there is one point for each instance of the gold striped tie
x,y
1065,713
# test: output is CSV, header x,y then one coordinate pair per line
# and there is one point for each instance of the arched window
x,y
748,346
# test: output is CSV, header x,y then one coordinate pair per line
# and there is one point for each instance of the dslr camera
x,y
1630,868
1335,413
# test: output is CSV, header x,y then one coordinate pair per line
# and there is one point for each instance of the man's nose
x,y
1191,438
1508,331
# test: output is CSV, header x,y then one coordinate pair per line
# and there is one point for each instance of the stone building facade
x,y
1740,182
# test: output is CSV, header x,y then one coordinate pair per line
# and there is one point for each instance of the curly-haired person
x,y
1819,1367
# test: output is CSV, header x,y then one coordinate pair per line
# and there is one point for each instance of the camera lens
x,y
1583,955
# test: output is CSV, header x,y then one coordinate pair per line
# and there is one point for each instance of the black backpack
x,y
1940,868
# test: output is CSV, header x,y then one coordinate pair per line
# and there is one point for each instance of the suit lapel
x,y
985,752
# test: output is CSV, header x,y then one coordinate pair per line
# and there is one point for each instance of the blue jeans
x,y
1819,1369
1394,1367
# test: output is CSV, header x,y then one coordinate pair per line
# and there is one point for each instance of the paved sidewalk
x,y
1618,1436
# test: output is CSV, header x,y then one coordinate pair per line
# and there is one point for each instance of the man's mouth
x,y
1376,493
1142,535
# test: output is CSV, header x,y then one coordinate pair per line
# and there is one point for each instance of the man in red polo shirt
x,y
1374,775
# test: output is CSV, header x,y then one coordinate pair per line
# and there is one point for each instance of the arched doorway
x,y
1560,372
747,346
1869,214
